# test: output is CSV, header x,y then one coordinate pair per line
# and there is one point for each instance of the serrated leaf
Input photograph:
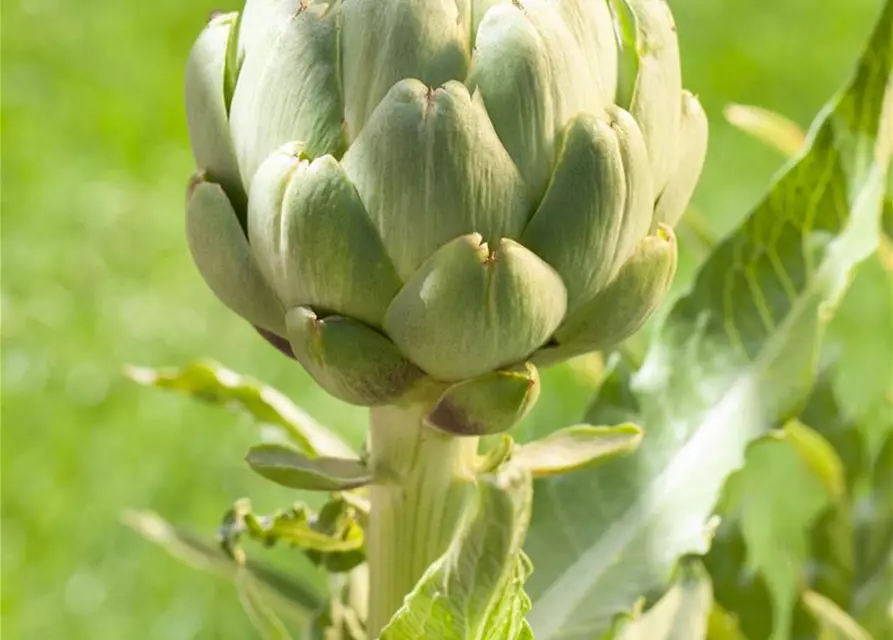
x,y
824,414
734,355
299,598
786,521
337,518
214,383
475,590
263,618
776,523
296,526
290,468
574,448
834,622
681,614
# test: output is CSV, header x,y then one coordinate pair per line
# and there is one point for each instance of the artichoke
x,y
418,194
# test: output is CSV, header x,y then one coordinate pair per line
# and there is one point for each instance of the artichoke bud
x,y
489,404
578,225
349,359
208,74
690,156
394,191
468,311
313,240
289,89
221,253
624,305
655,100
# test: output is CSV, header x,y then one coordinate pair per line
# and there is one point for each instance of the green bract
x,y
409,191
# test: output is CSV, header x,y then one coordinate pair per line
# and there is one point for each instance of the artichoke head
x,y
427,196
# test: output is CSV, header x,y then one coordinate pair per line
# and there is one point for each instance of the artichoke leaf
x,y
577,447
289,467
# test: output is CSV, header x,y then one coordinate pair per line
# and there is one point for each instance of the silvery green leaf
x,y
211,382
769,127
296,526
475,590
734,355
775,523
290,468
575,448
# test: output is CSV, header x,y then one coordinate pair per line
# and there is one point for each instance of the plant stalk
x,y
423,481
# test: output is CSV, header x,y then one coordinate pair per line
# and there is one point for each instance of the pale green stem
x,y
423,480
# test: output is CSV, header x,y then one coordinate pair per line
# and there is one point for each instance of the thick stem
x,y
423,480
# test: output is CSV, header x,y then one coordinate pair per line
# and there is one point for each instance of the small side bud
x,y
491,403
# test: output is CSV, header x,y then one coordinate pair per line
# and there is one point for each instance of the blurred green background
x,y
96,274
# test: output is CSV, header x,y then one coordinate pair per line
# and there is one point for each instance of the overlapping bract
x,y
410,190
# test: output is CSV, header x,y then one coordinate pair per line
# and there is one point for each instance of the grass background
x,y
95,274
